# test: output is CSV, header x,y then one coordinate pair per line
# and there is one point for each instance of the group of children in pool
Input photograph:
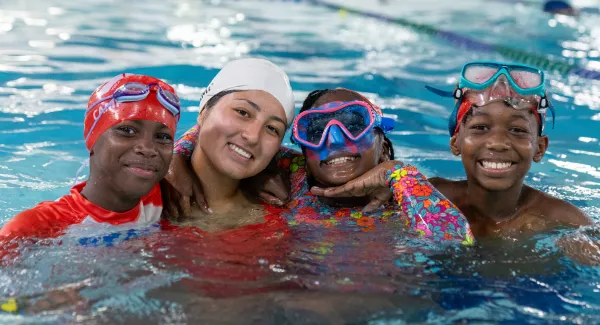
x,y
346,172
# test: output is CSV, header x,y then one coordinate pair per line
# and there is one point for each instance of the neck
x,y
219,189
108,198
497,206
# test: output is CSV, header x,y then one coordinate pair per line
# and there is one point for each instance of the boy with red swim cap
x,y
129,126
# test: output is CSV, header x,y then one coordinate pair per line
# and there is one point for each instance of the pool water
x,y
55,53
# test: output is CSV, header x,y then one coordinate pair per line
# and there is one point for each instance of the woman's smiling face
x,y
242,132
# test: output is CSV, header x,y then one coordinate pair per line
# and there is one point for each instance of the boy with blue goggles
x,y
481,82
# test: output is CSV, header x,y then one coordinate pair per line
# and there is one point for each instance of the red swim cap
x,y
465,106
462,110
111,112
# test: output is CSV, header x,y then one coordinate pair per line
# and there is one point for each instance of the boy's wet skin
x,y
130,158
497,145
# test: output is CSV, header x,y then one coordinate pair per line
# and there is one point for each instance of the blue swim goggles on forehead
x,y
355,119
481,82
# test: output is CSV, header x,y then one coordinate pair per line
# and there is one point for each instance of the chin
x,y
336,181
496,185
238,173
137,188
138,191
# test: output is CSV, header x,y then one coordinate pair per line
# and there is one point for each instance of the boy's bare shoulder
x,y
451,189
555,209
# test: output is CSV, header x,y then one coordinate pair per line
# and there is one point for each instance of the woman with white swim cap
x,y
244,114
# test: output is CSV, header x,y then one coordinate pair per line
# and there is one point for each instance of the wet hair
x,y
470,113
315,95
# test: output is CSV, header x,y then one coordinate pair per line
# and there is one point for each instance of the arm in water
x,y
181,184
426,209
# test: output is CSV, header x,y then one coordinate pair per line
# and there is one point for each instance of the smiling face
x,y
131,157
346,160
498,144
242,133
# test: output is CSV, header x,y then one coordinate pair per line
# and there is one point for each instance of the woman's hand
x,y
372,184
179,187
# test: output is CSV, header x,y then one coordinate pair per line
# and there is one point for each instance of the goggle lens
x,y
316,124
313,125
526,78
479,74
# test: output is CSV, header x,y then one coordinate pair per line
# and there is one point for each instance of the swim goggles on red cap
x,y
136,91
355,119
481,82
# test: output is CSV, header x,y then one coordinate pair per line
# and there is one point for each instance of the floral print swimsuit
x,y
417,204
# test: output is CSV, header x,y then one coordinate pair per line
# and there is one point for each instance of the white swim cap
x,y
253,74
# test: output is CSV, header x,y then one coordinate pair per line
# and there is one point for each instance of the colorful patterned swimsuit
x,y
416,202
417,205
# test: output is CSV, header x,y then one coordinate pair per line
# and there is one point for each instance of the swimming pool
x,y
54,54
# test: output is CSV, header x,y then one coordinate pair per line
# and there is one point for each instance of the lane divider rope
x,y
544,62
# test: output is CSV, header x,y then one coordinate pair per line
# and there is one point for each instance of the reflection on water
x,y
56,52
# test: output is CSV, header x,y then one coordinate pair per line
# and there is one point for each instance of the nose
x,y
336,136
498,140
251,132
146,146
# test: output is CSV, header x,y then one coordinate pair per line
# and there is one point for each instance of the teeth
x,y
339,160
496,165
240,151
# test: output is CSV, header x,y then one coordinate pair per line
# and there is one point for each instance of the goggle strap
x,y
551,107
387,124
98,119
440,92
97,102
453,118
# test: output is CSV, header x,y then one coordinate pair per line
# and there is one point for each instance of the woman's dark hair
x,y
314,96
213,101
215,98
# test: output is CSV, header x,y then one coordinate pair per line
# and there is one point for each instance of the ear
x,y
454,145
542,146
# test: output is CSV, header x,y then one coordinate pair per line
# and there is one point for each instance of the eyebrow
x,y
253,104
520,116
140,123
479,113
258,109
